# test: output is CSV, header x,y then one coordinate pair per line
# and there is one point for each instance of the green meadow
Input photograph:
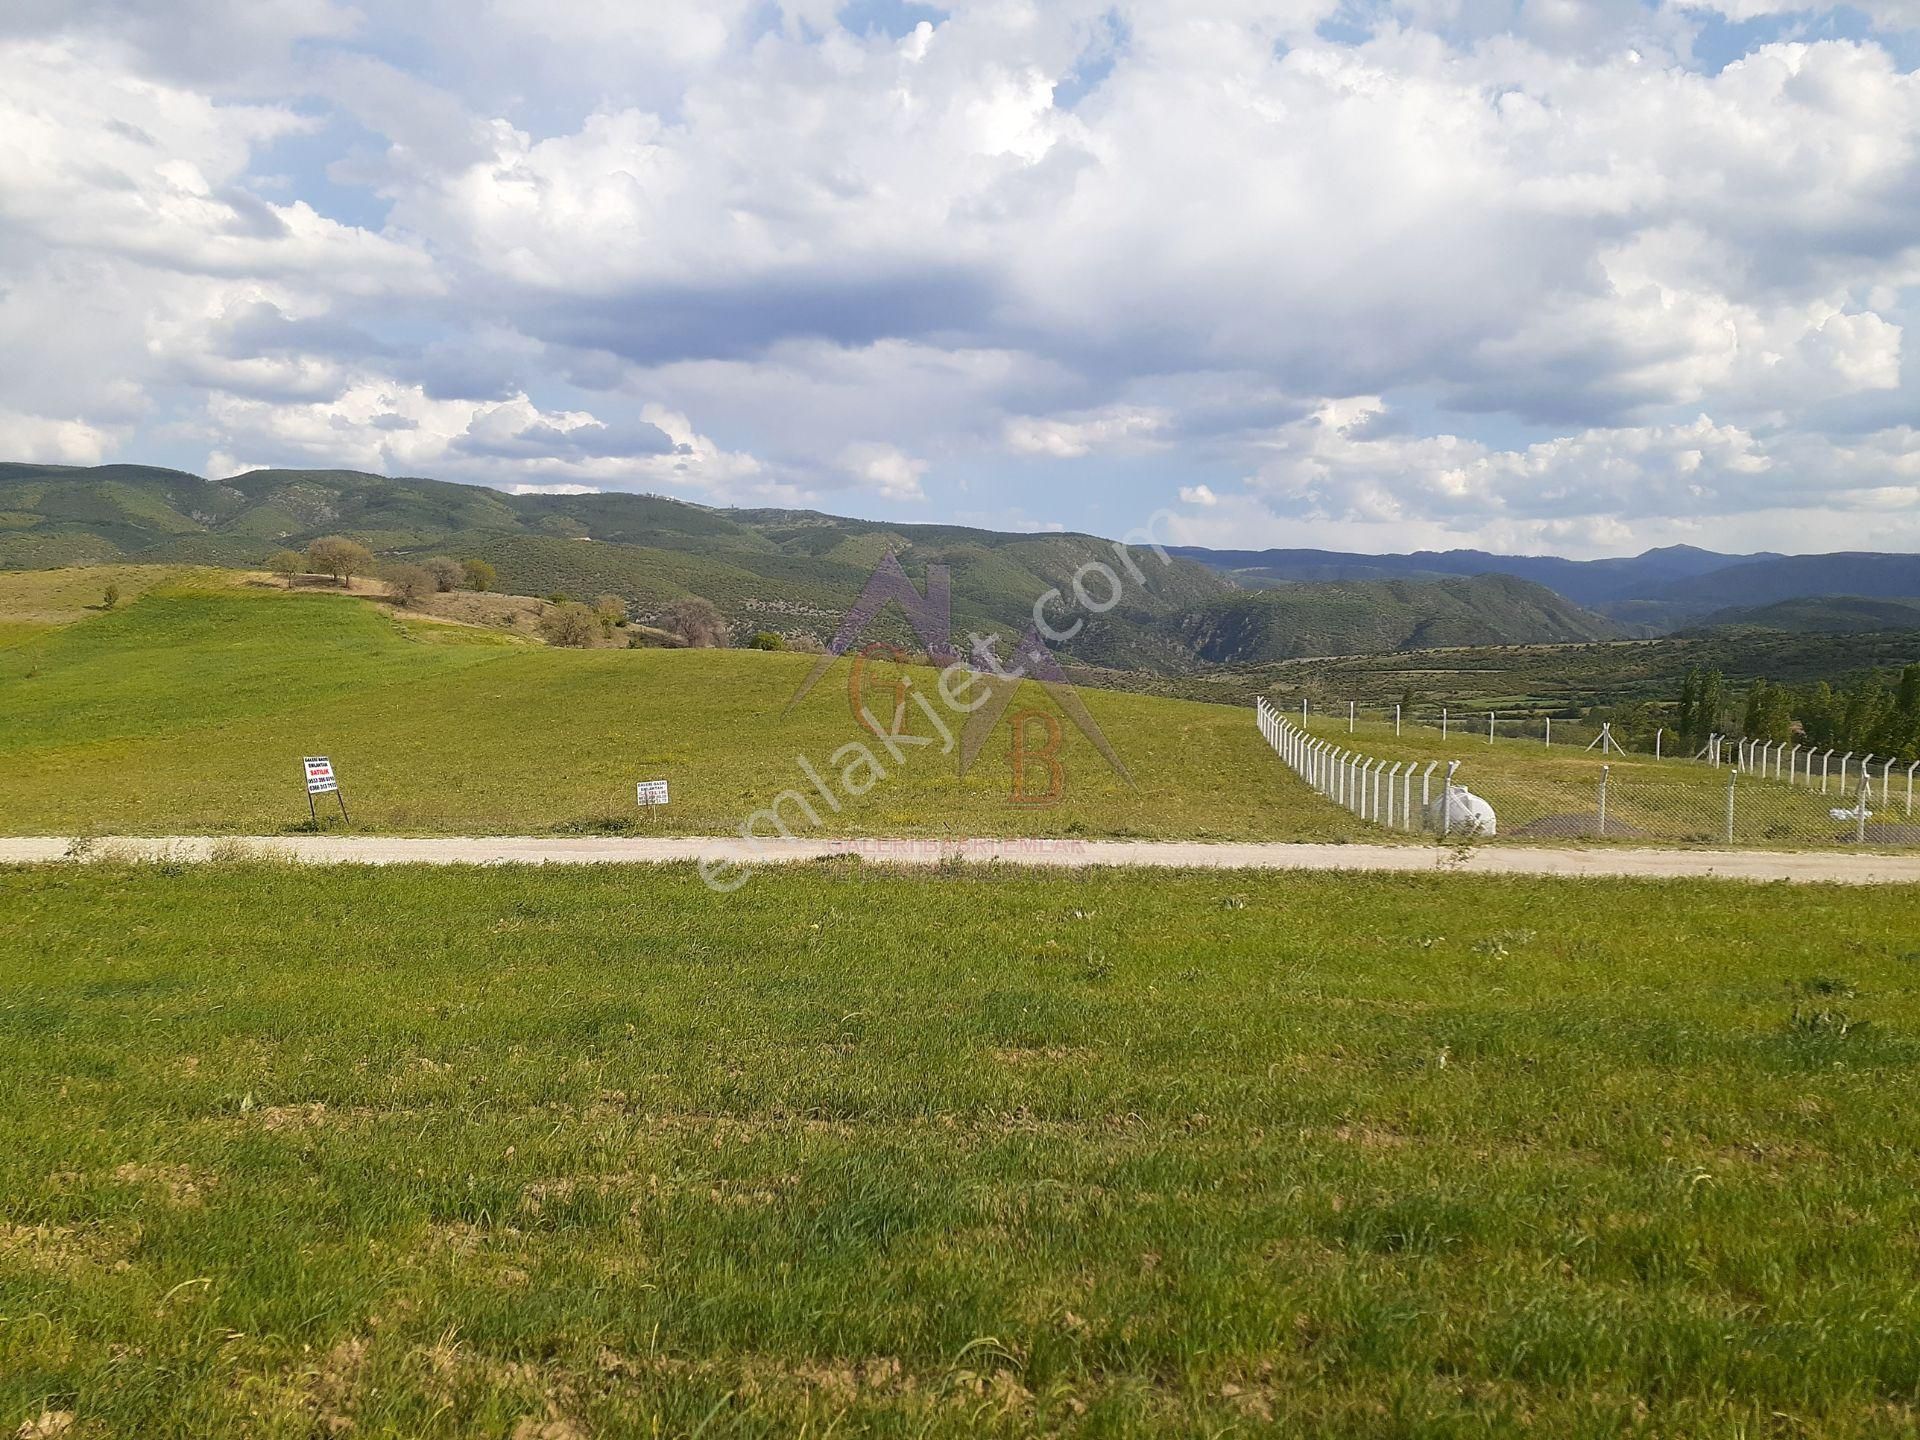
x,y
190,708
556,1154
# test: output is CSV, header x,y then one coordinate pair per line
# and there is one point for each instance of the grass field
x,y
191,709
559,1154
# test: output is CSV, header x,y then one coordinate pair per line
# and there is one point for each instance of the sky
x,y
1545,276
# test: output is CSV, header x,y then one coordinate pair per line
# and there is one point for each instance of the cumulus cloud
x,y
1510,270
885,469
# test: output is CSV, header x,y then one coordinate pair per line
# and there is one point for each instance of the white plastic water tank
x,y
1460,812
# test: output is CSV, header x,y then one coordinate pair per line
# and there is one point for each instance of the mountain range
x,y
1655,591
797,571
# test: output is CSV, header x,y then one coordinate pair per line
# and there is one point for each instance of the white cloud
x,y
514,244
1070,438
885,469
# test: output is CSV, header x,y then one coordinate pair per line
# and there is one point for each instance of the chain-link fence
x,y
1419,781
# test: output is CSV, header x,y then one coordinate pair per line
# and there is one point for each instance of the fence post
x,y
1886,782
1824,759
1656,741
1549,732
1793,766
1489,727
1396,722
1446,799
1910,769
1843,771
1603,799
1860,809
1443,722
1303,712
1426,787
1393,781
1349,717
1732,775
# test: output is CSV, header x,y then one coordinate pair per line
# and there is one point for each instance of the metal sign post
x,y
650,793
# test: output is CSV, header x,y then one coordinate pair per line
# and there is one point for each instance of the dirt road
x,y
1760,865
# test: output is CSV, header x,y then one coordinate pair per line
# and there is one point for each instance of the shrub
x,y
447,572
410,584
611,609
697,622
767,640
569,624
479,574
110,597
286,564
339,557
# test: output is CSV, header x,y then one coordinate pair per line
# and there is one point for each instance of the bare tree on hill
x,y
698,622
339,557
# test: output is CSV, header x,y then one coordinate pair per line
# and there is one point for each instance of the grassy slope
x,y
791,571
190,711
962,1155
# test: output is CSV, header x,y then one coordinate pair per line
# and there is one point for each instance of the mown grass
x,y
554,1154
191,709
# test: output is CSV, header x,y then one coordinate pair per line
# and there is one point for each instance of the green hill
x,y
1824,614
1360,617
189,709
791,571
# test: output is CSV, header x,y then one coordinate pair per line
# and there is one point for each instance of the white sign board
x,y
320,777
652,792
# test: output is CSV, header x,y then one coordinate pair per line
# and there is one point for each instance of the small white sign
x,y
652,792
320,777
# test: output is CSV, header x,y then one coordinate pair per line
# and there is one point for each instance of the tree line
x,y
1879,713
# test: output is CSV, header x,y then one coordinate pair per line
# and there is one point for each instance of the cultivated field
x,y
558,1154
191,709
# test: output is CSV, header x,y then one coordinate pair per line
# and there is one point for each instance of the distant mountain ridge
x,y
1585,582
1659,590
794,571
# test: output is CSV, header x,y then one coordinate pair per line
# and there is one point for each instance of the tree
x,y
447,572
571,624
339,557
480,575
1906,714
767,640
1769,715
286,564
1688,710
1707,709
611,609
410,584
697,622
